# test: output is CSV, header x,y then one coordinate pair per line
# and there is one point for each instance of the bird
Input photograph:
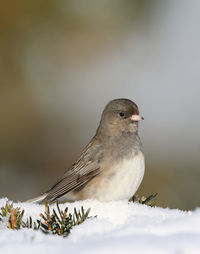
x,y
111,167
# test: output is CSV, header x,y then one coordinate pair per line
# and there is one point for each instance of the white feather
x,y
125,181
37,199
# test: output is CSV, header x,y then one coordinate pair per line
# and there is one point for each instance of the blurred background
x,y
62,61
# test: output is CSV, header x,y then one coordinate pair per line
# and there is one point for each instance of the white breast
x,y
125,180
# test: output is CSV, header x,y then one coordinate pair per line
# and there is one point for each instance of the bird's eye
x,y
121,114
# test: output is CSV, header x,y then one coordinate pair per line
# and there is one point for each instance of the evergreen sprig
x,y
29,223
15,215
61,222
58,222
150,200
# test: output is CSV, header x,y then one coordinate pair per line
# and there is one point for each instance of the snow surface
x,y
120,227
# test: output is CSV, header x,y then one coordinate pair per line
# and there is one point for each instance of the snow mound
x,y
120,227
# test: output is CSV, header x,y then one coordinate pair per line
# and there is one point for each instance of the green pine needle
x,y
58,222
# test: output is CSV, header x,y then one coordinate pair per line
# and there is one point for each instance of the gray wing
x,y
82,171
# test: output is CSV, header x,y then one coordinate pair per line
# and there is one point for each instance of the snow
x,y
120,227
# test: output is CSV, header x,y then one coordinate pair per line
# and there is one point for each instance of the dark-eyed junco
x,y
111,167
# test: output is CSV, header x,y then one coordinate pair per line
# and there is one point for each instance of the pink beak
x,y
136,118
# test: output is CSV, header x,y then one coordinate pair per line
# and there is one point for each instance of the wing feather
x,y
82,171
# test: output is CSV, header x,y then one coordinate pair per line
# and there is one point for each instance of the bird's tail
x,y
38,199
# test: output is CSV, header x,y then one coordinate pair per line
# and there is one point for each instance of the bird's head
x,y
120,115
